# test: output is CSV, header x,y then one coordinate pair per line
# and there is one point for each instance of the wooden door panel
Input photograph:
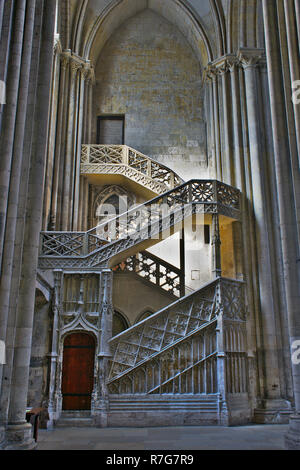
x,y
78,371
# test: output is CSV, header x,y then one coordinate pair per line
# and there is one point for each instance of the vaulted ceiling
x,y
212,27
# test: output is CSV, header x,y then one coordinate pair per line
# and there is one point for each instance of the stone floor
x,y
254,437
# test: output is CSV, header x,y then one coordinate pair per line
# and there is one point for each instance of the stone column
x,y
216,247
227,170
294,60
286,200
5,43
84,72
10,110
69,151
104,353
16,174
297,12
250,59
221,363
47,222
54,356
238,174
18,433
58,160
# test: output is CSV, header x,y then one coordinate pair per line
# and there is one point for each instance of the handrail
x,y
135,225
153,272
163,329
145,362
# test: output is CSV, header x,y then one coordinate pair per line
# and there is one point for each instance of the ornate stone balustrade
x,y
70,244
124,160
156,271
149,220
163,330
195,345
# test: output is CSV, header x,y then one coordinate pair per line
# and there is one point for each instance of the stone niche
x,y
148,72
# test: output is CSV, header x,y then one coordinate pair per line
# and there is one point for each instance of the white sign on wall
x,y
2,352
2,92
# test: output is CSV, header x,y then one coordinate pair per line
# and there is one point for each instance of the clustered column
x,y
66,191
235,83
287,175
23,141
104,352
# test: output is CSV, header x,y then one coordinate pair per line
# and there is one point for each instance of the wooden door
x,y
78,371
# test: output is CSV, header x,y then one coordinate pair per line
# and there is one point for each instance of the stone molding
x,y
251,57
244,58
77,63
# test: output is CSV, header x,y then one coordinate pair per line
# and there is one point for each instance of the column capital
x,y
225,63
88,73
64,60
57,49
75,65
210,73
251,57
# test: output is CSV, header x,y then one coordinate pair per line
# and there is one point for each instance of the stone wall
x,y
37,386
148,72
133,296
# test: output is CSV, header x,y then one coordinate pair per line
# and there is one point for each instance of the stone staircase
x,y
126,161
181,362
78,418
131,232
189,354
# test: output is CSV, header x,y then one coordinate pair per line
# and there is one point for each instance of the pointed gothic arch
x,y
94,36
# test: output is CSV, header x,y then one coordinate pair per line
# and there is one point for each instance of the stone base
x,y
2,436
100,419
275,411
19,437
239,411
292,437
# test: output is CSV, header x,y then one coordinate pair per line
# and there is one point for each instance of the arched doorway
x,y
78,371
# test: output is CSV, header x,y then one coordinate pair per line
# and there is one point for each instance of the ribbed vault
x,y
95,22
212,27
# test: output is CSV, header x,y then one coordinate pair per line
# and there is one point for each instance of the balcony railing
x,y
121,159
140,223
156,271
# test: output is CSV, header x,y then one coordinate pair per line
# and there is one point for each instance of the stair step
x,y
76,414
75,419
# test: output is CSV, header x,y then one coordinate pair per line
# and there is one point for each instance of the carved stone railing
x,y
156,271
149,220
163,330
195,345
70,244
124,160
188,367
